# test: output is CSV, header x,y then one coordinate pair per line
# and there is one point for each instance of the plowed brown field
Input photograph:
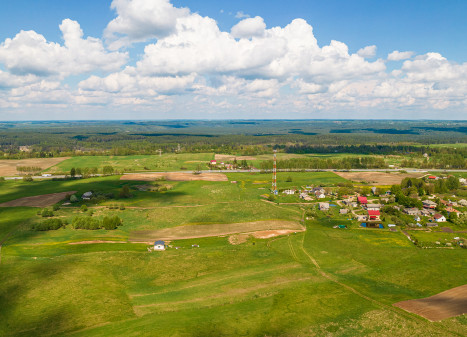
x,y
42,200
378,178
449,303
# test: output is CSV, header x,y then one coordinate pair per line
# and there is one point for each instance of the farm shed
x,y
86,195
159,245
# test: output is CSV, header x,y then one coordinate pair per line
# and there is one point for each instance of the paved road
x,y
257,171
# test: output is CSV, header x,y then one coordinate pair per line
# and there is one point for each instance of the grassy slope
x,y
262,287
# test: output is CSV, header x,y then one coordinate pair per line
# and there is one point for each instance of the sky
x,y
217,59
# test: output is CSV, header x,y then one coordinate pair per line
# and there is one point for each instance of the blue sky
x,y
232,59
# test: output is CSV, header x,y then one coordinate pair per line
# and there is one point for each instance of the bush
x,y
28,178
46,213
47,225
111,222
289,179
86,222
122,207
2,179
84,208
56,207
73,198
125,192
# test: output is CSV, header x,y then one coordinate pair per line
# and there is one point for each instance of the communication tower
x,y
274,174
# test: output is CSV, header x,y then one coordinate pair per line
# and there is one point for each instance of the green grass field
x,y
165,162
325,281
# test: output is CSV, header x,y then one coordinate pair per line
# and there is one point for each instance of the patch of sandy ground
x,y
229,157
379,178
43,200
449,303
8,167
268,227
175,176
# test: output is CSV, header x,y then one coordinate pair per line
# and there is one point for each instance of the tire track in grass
x,y
406,315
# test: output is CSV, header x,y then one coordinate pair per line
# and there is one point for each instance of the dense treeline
x,y
411,139
346,163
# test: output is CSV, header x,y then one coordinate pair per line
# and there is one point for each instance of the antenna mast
x,y
274,175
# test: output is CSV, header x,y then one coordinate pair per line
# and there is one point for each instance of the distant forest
x,y
412,139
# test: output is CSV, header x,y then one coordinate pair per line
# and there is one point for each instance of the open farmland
x,y
379,178
9,167
200,231
317,282
165,162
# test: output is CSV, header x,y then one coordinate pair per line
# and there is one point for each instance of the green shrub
x,y
47,225
84,208
73,198
56,207
46,213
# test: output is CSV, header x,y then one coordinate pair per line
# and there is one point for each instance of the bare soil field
x,y
378,178
272,234
175,176
94,241
43,200
8,167
449,303
201,231
228,157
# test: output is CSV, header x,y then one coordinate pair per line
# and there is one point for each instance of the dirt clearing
x,y
228,157
94,241
8,167
201,231
43,200
449,303
175,176
378,178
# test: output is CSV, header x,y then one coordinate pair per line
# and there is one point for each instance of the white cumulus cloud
x,y
30,53
368,51
400,55
140,20
249,27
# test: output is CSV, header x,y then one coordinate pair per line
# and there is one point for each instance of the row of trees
x,y
88,222
345,163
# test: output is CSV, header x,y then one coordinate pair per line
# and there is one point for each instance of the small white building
x,y
439,218
289,192
343,211
86,195
159,245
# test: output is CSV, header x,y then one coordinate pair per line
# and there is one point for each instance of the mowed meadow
x,y
323,281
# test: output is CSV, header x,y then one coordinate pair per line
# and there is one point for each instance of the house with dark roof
x,y
159,245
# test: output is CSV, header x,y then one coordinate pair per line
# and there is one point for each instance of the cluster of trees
x,y
88,222
345,163
49,224
28,169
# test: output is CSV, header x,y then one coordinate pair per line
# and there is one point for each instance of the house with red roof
x,y
362,200
374,215
439,217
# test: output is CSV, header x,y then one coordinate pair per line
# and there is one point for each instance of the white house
x,y
289,192
439,218
462,202
159,245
